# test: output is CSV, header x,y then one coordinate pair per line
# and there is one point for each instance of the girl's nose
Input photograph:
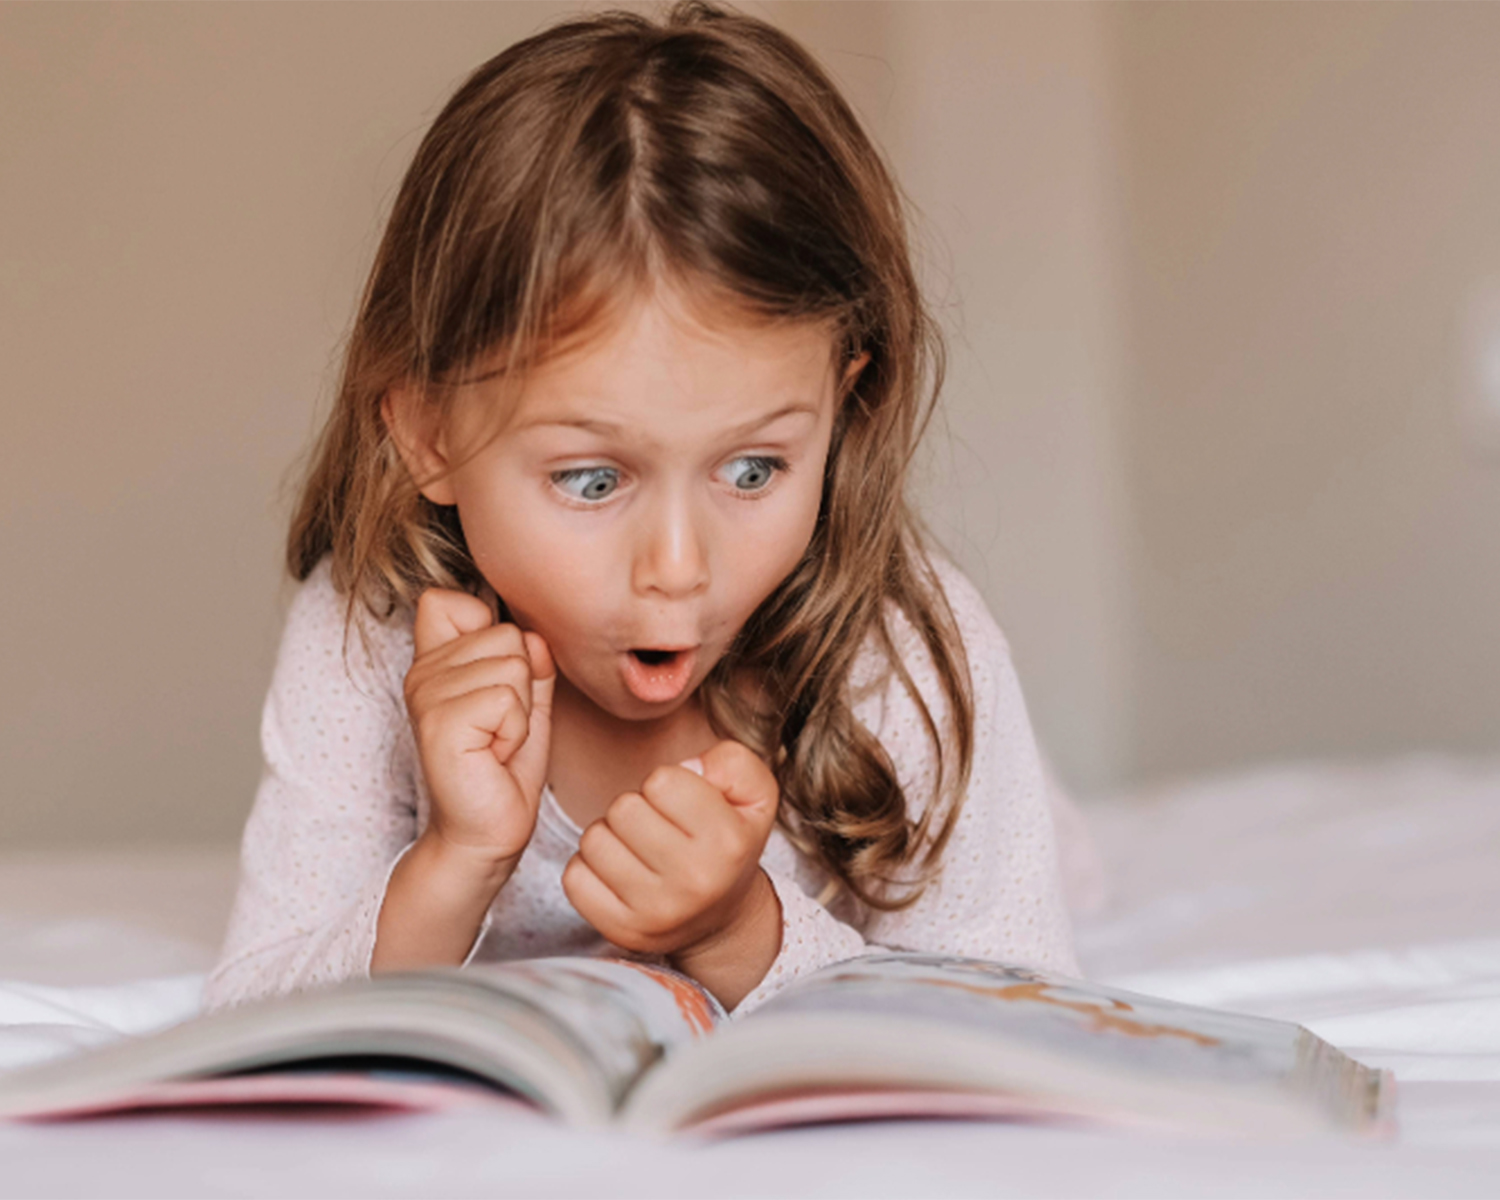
x,y
672,558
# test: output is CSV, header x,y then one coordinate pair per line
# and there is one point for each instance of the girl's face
x,y
647,492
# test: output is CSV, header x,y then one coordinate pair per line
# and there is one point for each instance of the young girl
x,y
650,657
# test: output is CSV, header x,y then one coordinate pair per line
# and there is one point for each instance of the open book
x,y
598,1040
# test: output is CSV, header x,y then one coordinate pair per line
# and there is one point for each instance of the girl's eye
x,y
588,483
754,472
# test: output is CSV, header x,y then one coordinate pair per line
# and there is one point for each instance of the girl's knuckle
x,y
594,838
626,808
572,879
699,885
659,778
507,703
726,846
413,688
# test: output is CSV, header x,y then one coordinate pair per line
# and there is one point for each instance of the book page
x,y
1070,1017
568,1035
904,1026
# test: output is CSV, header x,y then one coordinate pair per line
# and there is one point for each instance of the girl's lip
x,y
659,683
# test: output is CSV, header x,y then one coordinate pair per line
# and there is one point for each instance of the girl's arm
x,y
334,812
999,894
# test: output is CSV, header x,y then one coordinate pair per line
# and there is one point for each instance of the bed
x,y
1360,900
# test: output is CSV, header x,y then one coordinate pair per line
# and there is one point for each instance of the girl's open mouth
x,y
657,675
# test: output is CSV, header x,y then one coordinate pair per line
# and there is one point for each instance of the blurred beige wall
x,y
1000,135
1200,267
190,200
1312,203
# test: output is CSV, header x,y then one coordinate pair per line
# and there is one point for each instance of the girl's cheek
x,y
492,565
768,563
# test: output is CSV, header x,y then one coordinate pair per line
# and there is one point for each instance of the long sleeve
x,y
998,895
334,810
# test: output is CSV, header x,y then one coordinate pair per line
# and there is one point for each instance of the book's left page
x,y
569,1036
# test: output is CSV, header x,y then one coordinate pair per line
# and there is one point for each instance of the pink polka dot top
x,y
341,798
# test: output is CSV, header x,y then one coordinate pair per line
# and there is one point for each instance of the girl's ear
x,y
413,426
851,372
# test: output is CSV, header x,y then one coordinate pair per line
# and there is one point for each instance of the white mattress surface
x,y
1361,901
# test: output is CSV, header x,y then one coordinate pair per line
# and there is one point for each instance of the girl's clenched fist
x,y
675,869
479,696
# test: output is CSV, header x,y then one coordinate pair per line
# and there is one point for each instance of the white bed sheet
x,y
1361,901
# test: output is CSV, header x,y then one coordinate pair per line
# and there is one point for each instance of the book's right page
x,y
887,1023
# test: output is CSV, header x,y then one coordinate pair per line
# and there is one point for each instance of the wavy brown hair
x,y
569,171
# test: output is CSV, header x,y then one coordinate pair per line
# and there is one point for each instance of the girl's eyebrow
x,y
594,425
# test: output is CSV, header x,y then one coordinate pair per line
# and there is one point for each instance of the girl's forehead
x,y
666,357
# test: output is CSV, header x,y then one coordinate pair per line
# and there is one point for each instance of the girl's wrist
x,y
462,867
733,960
435,904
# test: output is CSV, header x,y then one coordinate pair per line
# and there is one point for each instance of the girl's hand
x,y
479,696
675,869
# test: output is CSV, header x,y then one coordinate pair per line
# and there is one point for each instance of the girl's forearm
x,y
434,905
732,963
